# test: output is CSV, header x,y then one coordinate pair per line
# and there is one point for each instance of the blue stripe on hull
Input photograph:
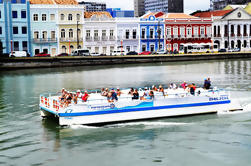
x,y
142,109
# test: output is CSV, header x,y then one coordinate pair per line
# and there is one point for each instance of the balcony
x,y
104,38
45,40
71,39
88,38
112,37
96,38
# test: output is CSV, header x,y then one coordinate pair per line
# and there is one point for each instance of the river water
x,y
219,140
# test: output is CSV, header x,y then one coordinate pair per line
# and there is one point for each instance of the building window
x,y
16,45
168,32
24,43
52,17
189,31
14,14
43,17
78,17
23,14
70,33
151,33
182,31
134,34
143,33
209,31
0,13
37,51
196,31
1,31
143,47
175,31
62,17
44,34
24,30
127,34
152,48
62,33
36,35
111,32
53,34
88,34
35,17
202,31
70,17
15,30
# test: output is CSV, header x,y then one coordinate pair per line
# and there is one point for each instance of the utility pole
x,y
159,31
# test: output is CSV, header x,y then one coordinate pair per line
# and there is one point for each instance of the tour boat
x,y
97,110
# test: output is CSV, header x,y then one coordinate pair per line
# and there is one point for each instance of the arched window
x,y
72,47
62,33
62,17
44,34
70,33
36,35
70,17
64,49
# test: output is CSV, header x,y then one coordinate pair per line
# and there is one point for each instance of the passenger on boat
x,y
184,85
161,89
75,98
146,95
79,94
119,92
192,89
154,88
68,99
135,95
173,86
85,96
131,91
151,94
105,92
112,95
207,83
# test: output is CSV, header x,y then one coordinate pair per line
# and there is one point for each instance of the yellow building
x,y
70,25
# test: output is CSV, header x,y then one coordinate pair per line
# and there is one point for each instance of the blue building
x,y
117,12
152,32
44,29
15,25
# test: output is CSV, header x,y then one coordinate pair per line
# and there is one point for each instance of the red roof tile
x,y
212,13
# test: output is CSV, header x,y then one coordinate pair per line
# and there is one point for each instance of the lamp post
x,y
77,35
159,31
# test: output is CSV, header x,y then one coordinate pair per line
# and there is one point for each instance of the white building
x,y
128,34
233,30
99,32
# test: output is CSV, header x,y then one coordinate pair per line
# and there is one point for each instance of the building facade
x,y
151,32
117,12
128,34
70,27
15,26
139,8
167,6
44,29
233,30
182,29
99,32
175,6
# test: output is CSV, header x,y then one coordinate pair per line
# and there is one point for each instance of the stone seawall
x,y
48,62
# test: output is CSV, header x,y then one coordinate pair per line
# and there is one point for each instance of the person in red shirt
x,y
85,96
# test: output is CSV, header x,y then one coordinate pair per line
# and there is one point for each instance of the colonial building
x,y
99,32
15,26
183,29
231,29
70,27
152,32
128,34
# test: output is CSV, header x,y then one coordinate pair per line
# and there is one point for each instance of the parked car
x,y
145,53
222,50
236,50
161,52
119,52
132,53
95,54
42,55
63,54
18,54
81,52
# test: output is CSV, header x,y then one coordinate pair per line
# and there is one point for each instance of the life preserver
x,y
45,101
57,105
42,100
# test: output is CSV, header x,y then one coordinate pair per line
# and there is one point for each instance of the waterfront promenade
x,y
49,62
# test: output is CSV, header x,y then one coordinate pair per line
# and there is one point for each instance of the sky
x,y
190,5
